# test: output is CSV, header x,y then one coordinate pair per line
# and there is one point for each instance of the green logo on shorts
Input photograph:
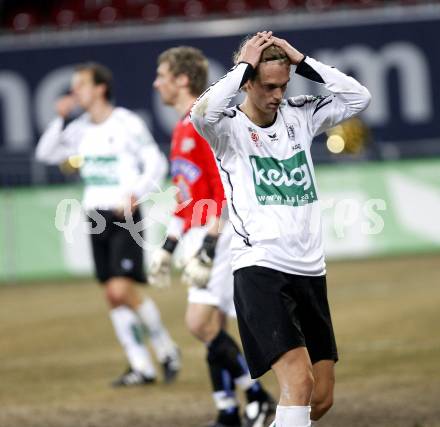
x,y
283,182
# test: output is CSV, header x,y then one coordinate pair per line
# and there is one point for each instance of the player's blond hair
x,y
189,61
271,53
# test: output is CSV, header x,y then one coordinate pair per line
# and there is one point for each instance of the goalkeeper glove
x,y
159,274
198,270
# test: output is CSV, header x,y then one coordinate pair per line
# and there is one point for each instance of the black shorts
x,y
277,312
115,252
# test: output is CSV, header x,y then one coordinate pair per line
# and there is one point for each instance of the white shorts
x,y
219,291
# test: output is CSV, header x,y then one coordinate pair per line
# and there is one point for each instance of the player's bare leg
x,y
121,291
294,373
203,321
322,396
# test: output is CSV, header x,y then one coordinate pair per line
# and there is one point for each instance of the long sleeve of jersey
x,y
152,161
154,169
195,173
212,177
348,96
210,106
58,143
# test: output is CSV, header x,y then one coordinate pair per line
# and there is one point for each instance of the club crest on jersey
x,y
255,137
291,131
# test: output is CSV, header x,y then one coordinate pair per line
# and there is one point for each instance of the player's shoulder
x,y
81,122
230,113
129,119
185,133
184,128
302,100
125,114
83,117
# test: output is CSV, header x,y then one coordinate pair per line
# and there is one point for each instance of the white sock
x,y
126,325
224,400
161,341
244,382
292,416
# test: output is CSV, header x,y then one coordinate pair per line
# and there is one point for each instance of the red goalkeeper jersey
x,y
194,171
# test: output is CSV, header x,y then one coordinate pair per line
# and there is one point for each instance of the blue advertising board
x,y
397,58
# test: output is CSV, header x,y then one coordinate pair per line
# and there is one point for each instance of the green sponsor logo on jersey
x,y
283,182
100,170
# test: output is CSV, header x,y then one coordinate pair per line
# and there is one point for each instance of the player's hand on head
x,y
293,54
253,48
65,106
159,274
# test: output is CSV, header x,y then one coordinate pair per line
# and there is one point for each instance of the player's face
x,y
166,84
84,89
267,91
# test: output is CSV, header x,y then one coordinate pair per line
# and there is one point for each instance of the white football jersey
x,y
118,157
267,172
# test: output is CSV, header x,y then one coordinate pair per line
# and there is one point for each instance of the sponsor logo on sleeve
x,y
186,168
291,131
184,193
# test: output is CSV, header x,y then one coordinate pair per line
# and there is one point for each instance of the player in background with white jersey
x,y
182,76
263,149
121,164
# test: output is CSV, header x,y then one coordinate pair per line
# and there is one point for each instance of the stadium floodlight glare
x,y
335,144
71,165
349,137
75,161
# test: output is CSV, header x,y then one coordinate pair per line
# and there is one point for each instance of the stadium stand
x,y
24,15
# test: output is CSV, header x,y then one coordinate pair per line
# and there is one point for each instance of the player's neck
x,y
184,103
255,115
100,111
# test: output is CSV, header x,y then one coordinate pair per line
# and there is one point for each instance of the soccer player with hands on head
x,y
262,147
201,230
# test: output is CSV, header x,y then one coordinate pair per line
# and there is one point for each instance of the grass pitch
x,y
58,354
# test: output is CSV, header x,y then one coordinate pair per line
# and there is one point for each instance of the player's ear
x,y
182,80
245,87
102,89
